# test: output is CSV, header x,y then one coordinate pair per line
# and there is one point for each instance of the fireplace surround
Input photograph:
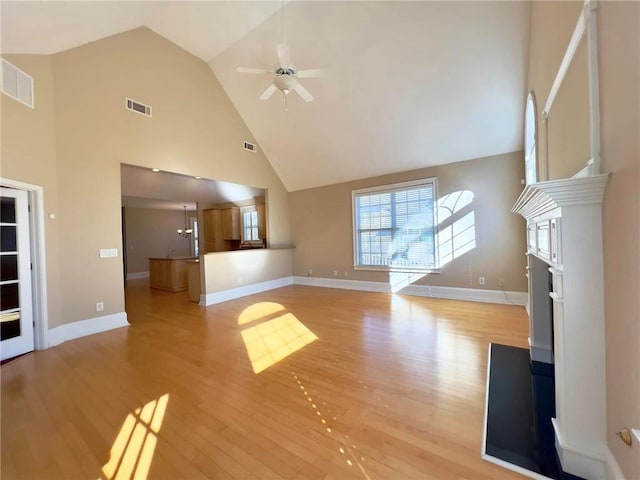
x,y
564,232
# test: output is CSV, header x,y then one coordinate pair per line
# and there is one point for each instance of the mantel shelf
x,y
541,197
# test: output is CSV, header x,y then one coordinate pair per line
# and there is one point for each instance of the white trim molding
x,y
137,275
613,470
360,285
233,293
580,461
38,259
70,331
453,293
566,217
542,197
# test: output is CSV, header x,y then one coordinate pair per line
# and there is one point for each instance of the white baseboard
x,y
577,461
69,331
343,284
614,472
232,293
454,293
137,275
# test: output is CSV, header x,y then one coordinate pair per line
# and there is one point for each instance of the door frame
x,y
38,259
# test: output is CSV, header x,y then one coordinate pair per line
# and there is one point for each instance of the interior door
x,y
16,311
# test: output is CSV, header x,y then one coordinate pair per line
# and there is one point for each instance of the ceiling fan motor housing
x,y
284,82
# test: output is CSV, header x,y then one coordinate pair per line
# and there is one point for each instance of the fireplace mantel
x,y
540,198
564,230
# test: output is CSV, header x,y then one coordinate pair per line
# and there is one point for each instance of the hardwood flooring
x,y
364,386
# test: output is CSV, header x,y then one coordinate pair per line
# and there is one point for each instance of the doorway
x,y
23,294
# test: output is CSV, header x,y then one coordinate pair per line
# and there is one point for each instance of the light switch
x,y
108,252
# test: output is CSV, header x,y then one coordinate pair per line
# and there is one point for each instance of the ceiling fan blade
x,y
300,90
284,59
271,89
314,73
252,70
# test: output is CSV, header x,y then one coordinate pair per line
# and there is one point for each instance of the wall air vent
x,y
137,107
250,146
17,84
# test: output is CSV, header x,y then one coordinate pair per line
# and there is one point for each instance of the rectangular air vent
x,y
137,107
17,84
250,146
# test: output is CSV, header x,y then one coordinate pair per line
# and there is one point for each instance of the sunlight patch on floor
x,y
259,311
270,342
132,451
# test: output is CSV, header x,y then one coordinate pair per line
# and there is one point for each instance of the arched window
x,y
530,141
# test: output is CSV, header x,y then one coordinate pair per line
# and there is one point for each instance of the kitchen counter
x,y
170,274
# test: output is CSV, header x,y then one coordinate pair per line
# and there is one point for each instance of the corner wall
x,y
75,150
322,230
552,24
619,70
28,154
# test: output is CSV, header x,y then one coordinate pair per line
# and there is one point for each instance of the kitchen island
x,y
170,274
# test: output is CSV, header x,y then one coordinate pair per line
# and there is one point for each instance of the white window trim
x,y
243,210
386,188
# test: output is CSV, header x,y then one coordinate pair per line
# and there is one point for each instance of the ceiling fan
x,y
285,76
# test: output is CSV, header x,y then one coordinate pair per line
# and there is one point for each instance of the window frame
x,y
250,209
394,187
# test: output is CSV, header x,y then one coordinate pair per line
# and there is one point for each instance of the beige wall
x,y
28,154
619,70
552,24
323,236
567,149
228,270
194,130
152,233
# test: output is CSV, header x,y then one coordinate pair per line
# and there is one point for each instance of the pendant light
x,y
187,230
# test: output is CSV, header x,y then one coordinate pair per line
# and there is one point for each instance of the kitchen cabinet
x,y
168,274
212,232
231,223
262,221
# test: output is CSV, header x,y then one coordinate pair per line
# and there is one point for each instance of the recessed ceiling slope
x,y
408,85
202,28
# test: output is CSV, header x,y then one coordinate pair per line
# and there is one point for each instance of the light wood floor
x,y
393,387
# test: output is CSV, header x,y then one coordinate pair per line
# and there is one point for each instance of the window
x,y
531,174
250,224
194,237
394,226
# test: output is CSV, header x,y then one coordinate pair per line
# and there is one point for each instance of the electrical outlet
x,y
346,274
99,306
481,280
335,273
310,272
501,283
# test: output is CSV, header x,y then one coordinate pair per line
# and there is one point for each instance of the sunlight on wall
x,y
271,341
132,451
399,280
455,236
259,311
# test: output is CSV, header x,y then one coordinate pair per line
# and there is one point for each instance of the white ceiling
x,y
409,84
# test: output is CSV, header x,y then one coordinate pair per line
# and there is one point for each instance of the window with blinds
x,y
394,226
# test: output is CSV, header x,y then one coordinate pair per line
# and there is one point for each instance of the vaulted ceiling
x,y
408,84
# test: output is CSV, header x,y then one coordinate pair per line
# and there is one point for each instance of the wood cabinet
x,y
212,232
231,223
262,221
168,274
